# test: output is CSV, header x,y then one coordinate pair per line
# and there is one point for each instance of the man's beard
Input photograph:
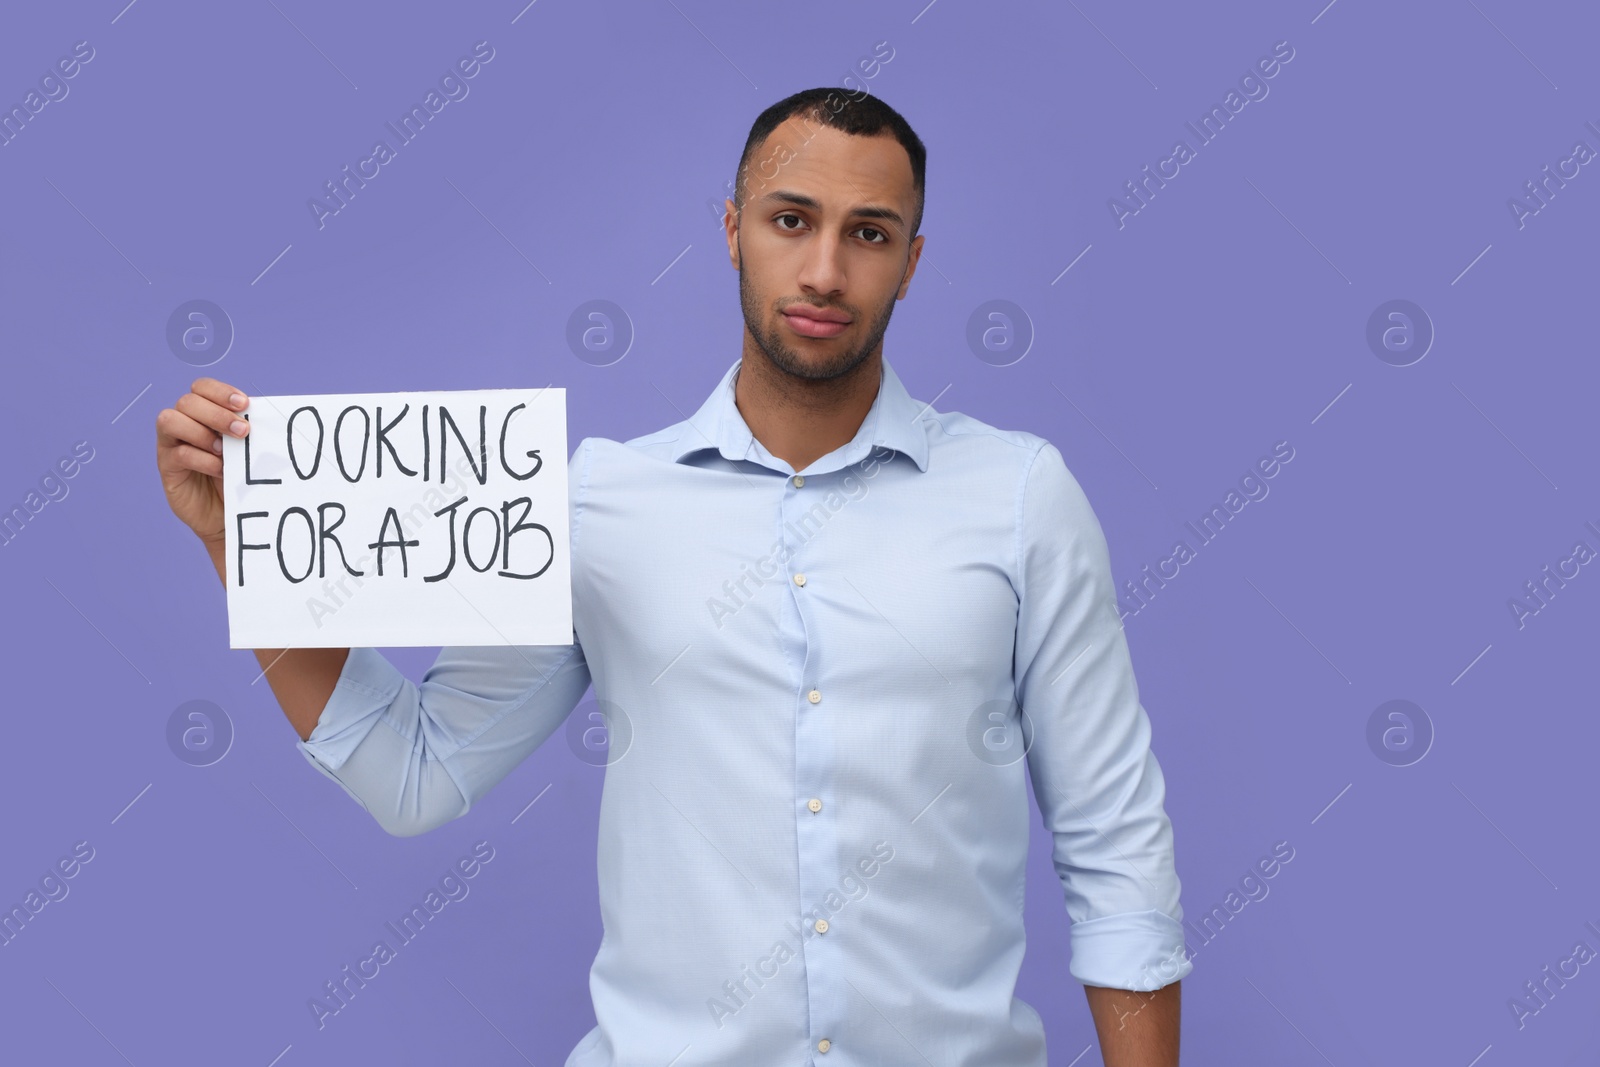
x,y
792,362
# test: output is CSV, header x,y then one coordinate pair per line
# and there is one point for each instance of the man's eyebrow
x,y
865,211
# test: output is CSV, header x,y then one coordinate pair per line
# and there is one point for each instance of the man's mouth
x,y
809,321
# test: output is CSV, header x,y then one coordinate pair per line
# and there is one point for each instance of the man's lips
x,y
811,321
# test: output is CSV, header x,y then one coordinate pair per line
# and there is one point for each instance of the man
x,y
830,626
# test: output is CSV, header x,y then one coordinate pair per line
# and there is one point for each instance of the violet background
x,y
1172,355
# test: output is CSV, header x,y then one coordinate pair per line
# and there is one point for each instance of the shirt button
x,y
824,1045
799,480
814,804
822,926
814,696
799,579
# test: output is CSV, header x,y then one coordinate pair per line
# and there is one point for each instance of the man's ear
x,y
730,224
911,266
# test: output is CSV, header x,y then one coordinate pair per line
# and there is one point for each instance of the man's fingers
x,y
216,404
185,457
179,427
221,394
219,418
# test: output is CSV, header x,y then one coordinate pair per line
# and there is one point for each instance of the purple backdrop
x,y
1423,153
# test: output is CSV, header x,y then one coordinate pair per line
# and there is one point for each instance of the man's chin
x,y
820,361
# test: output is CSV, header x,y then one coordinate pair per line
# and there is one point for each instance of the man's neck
x,y
801,420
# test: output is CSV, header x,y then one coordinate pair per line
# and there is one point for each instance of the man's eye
x,y
873,229
780,219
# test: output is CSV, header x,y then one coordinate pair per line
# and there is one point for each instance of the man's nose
x,y
822,269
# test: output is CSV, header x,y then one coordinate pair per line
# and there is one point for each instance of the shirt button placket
x,y
817,845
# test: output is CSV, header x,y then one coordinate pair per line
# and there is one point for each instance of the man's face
x,y
821,246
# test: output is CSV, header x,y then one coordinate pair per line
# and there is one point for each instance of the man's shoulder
x,y
966,433
1038,470
659,444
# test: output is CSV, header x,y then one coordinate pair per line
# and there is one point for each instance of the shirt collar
x,y
894,421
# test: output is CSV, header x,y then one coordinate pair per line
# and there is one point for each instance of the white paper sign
x,y
383,519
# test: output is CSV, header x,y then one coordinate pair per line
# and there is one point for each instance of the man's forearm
x,y
302,678
1136,1029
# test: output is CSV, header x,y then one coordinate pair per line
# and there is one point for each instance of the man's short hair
x,y
862,115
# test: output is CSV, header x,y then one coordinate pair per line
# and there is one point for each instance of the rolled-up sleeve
x,y
1098,784
367,686
417,756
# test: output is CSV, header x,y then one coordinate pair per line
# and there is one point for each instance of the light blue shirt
x,y
814,822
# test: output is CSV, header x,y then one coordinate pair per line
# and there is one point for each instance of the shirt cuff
x,y
367,685
1139,950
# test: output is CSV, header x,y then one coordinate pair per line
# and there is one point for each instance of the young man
x,y
831,627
